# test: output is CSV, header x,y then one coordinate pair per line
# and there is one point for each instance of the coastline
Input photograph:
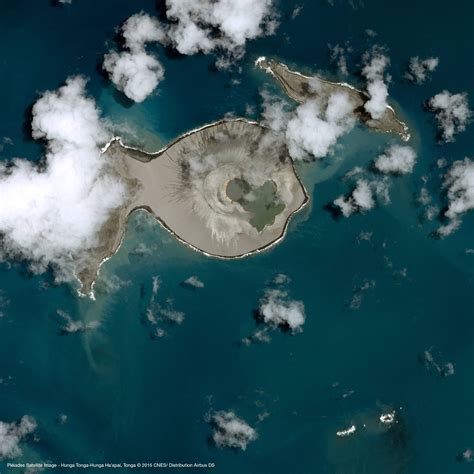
x,y
297,86
89,278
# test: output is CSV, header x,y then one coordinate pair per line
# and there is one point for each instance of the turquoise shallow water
x,y
129,397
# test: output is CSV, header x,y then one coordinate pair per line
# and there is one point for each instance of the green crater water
x,y
262,202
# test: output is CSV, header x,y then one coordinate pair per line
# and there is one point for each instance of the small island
x,y
227,189
301,88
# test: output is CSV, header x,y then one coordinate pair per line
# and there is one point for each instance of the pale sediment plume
x,y
301,88
185,186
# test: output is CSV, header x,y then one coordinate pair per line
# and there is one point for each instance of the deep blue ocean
x,y
131,398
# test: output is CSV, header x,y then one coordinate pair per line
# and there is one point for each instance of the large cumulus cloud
x,y
459,182
397,159
135,74
51,212
369,188
134,71
312,130
230,431
452,113
218,25
360,200
277,310
375,64
206,26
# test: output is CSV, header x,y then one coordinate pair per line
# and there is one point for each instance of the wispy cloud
x,y
420,69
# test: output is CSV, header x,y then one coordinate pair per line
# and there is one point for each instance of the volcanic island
x,y
301,88
227,189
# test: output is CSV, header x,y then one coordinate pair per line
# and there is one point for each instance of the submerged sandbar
x,y
227,189
301,88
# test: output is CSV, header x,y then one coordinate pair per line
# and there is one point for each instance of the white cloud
x,y
141,29
364,195
377,103
261,335
296,11
156,283
435,365
370,189
110,284
452,113
141,250
230,431
358,293
276,112
448,228
277,310
194,282
281,279
222,25
397,159
136,72
56,209
424,198
338,57
62,419
364,236
459,182
467,455
441,162
170,314
158,312
360,200
418,69
375,63
11,434
72,326
314,127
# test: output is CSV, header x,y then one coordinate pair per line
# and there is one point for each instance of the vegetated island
x,y
301,88
227,189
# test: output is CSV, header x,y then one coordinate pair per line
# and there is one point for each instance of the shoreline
x,y
87,287
269,66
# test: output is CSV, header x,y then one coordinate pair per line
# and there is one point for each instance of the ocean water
x,y
133,398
